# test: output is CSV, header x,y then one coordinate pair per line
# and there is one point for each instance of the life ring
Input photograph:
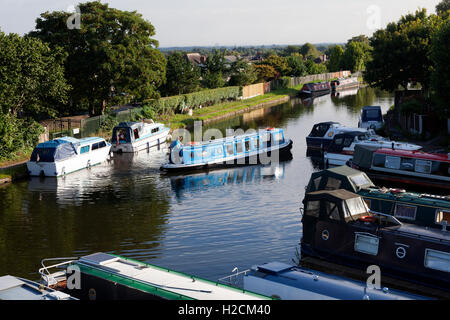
x,y
368,219
270,128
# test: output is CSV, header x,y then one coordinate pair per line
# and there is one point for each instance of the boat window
x,y
239,147
317,183
155,130
423,166
405,212
230,149
102,144
277,138
257,143
219,150
356,206
437,260
372,115
338,141
348,142
312,208
407,164
136,133
332,210
359,180
94,146
379,160
247,145
366,243
192,155
392,162
84,149
333,184
442,215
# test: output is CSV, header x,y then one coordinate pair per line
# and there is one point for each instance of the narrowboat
x,y
289,282
267,146
316,89
15,288
414,168
322,134
371,117
103,276
137,136
64,155
344,84
422,209
339,227
343,145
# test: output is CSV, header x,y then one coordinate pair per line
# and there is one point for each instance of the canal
x,y
204,224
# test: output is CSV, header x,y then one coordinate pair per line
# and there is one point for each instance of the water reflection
x,y
249,174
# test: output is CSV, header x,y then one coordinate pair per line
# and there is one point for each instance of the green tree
x,y
31,77
315,68
336,54
401,52
243,73
181,76
213,80
309,50
440,56
112,53
443,7
278,63
355,56
296,65
266,72
215,72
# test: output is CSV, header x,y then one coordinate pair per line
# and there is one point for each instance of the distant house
x,y
196,59
229,60
321,59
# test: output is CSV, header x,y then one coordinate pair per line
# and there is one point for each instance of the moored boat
x,y
342,148
371,117
322,134
423,209
65,155
288,282
415,168
344,83
15,288
267,146
137,136
316,89
339,227
105,276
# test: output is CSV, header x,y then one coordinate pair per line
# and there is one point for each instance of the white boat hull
x,y
63,167
141,144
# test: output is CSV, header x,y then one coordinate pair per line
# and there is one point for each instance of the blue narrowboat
x,y
261,147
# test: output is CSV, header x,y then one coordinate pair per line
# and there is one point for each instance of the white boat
x,y
344,83
371,117
343,146
64,155
15,288
137,136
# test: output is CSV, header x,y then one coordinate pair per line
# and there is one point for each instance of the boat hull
x,y
261,158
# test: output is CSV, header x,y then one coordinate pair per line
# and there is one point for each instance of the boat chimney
x,y
444,225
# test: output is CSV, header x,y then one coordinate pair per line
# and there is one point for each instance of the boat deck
x,y
156,277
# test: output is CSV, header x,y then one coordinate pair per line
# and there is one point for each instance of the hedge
x,y
173,104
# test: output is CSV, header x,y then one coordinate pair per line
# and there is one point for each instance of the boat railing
x,y
49,278
235,279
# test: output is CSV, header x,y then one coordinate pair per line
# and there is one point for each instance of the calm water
x,y
203,224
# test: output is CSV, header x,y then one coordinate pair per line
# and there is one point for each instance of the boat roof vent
x,y
99,258
274,267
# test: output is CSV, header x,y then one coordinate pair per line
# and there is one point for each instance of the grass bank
x,y
221,109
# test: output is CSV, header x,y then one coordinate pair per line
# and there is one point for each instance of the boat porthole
x,y
400,252
325,235
92,294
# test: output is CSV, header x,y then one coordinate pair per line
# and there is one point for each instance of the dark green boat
x,y
411,207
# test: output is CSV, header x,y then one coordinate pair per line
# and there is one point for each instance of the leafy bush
x,y
411,106
17,135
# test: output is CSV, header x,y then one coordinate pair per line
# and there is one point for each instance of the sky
x,y
237,22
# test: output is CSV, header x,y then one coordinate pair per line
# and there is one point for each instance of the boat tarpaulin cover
x,y
362,156
55,150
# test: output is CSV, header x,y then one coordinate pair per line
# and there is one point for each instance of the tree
x,y
290,50
401,52
296,66
215,70
32,79
440,56
443,7
308,50
111,54
278,63
243,73
266,72
315,68
181,76
355,56
335,61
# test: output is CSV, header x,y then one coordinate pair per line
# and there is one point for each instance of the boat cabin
x,y
338,226
128,132
322,133
371,117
